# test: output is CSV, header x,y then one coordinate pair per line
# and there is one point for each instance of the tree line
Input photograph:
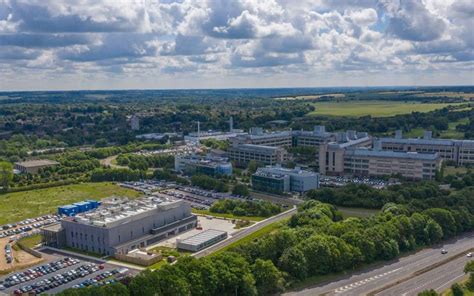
x,y
258,208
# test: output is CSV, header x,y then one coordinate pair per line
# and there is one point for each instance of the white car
x,y
469,255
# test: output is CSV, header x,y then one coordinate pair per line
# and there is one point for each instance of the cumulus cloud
x,y
236,38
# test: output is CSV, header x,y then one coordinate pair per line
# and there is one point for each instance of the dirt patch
x,y
21,259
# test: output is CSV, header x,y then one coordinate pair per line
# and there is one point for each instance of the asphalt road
x,y
244,232
370,279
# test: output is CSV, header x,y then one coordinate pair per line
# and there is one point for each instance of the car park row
x,y
26,226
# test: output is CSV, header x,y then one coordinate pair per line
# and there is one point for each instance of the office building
x,y
242,154
461,152
377,163
191,164
120,225
256,136
276,179
33,166
201,240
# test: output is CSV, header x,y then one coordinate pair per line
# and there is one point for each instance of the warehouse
x,y
33,166
202,240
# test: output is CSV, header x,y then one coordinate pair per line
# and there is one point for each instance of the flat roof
x,y
38,162
253,147
202,237
392,154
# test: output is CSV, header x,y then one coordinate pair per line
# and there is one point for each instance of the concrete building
x,y
33,166
135,123
460,152
276,179
331,155
377,163
208,165
256,136
242,154
318,136
201,240
120,225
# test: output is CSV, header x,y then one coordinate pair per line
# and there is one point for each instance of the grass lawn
x,y
259,233
31,241
357,212
17,206
228,216
374,108
451,170
451,132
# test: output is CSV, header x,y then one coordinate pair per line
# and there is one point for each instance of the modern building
x,y
318,136
195,137
120,225
242,154
276,179
208,165
377,163
331,155
201,240
460,152
135,123
33,166
256,136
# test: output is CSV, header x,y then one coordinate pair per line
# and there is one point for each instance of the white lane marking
x,y
451,280
362,282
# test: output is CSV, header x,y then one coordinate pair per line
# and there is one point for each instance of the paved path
x,y
108,162
245,232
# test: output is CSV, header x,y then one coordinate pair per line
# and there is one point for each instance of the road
x,y
373,278
109,162
245,232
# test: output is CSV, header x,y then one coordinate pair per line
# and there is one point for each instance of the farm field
x,y
374,108
17,206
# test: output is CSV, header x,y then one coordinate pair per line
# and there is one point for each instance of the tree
x,y
434,231
268,279
294,263
469,267
6,175
241,189
252,166
445,219
457,290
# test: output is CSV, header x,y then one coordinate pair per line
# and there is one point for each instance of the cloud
x,y
245,40
411,20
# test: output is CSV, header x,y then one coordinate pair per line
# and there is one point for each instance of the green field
x,y
374,108
17,206
451,132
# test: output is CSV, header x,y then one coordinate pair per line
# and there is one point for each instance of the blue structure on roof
x,y
78,207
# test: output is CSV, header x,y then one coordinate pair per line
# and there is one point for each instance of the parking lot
x,y
60,272
333,181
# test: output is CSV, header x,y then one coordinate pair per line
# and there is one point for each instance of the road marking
x,y
451,281
363,282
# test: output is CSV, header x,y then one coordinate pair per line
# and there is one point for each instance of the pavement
x,y
245,232
379,277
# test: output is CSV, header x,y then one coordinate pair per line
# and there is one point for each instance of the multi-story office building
x,y
256,136
122,225
275,179
242,154
459,151
196,164
314,138
376,163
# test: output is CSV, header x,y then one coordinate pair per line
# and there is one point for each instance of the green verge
x,y
228,216
253,236
17,206
31,241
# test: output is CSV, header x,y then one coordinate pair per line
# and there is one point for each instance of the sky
x,y
153,44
